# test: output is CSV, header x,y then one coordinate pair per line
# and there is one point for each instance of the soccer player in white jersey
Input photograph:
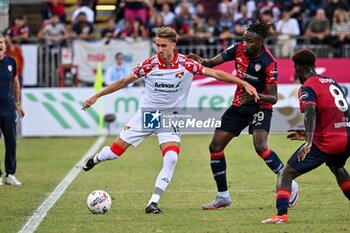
x,y
168,76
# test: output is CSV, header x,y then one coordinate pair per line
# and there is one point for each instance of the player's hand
x,y
303,151
245,97
89,102
20,111
296,134
195,57
251,91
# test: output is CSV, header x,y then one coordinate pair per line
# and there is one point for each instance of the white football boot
x,y
12,180
293,200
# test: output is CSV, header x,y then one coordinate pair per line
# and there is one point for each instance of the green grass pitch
x,y
44,162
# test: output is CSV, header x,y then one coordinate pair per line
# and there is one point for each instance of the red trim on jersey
x,y
117,149
162,62
282,193
265,154
309,102
269,53
270,72
345,185
217,155
176,149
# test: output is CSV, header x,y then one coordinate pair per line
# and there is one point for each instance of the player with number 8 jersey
x,y
327,126
331,131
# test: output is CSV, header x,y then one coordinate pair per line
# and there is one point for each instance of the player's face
x,y
252,44
165,48
2,47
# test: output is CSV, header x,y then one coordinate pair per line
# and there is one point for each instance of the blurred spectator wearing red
x,y
53,7
273,6
15,35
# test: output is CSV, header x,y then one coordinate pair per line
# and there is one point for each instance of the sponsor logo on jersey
x,y
304,95
151,119
179,75
257,67
326,80
157,75
166,85
250,77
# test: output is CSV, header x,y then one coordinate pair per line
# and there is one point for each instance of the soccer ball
x,y
99,202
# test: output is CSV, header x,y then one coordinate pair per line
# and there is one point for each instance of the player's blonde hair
x,y
167,33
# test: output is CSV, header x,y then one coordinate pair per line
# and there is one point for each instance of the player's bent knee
x,y
215,148
260,149
289,173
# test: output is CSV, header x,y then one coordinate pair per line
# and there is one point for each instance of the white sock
x,y
155,198
224,194
165,175
105,154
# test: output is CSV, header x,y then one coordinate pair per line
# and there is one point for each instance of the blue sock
x,y
218,168
272,160
282,201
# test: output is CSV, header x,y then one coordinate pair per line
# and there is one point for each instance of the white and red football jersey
x,y
167,85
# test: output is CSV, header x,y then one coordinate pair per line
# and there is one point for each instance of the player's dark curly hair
x,y
262,29
304,57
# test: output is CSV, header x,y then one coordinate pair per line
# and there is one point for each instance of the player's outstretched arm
x,y
217,60
117,85
226,77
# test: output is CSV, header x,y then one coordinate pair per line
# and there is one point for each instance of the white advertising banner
x,y
57,111
87,55
30,66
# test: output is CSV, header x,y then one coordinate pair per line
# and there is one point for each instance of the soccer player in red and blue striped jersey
x,y
327,127
255,64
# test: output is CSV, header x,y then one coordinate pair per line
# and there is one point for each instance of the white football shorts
x,y
134,134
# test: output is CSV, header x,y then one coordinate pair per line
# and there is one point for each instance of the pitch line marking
x,y
39,214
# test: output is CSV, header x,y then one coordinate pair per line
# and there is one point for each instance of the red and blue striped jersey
x,y
257,71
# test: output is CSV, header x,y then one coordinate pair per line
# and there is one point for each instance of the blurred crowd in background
x,y
197,22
